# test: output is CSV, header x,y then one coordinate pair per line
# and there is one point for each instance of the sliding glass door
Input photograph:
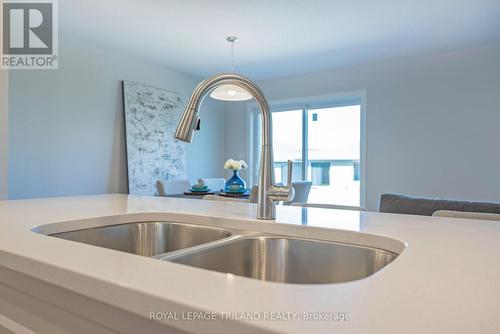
x,y
324,144
287,144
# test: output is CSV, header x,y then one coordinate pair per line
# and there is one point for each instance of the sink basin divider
x,y
175,254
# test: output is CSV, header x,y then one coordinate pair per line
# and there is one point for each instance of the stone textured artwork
x,y
151,116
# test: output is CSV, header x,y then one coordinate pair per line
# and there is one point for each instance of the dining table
x,y
195,195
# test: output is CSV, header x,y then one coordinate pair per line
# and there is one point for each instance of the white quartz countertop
x,y
446,280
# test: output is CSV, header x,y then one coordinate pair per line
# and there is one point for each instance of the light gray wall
x,y
206,152
432,121
4,136
236,134
66,126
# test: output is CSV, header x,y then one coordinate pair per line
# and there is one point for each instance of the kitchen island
x,y
444,279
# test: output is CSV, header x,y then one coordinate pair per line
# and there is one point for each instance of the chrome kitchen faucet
x,y
268,192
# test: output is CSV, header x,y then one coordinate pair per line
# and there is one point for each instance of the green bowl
x,y
199,189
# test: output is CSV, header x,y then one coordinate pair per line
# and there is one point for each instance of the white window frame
x,y
305,104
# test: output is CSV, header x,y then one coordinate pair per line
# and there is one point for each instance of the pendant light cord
x,y
232,40
232,57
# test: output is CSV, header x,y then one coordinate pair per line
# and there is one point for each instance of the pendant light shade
x,y
231,92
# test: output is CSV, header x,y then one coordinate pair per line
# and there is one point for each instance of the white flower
x,y
235,164
228,164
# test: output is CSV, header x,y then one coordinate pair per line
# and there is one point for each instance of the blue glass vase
x,y
235,183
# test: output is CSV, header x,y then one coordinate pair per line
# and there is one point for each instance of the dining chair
x,y
172,187
253,197
302,190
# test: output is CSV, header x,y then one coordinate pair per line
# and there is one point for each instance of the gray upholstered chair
x,y
390,203
172,187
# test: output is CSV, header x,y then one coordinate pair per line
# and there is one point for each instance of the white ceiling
x,y
280,37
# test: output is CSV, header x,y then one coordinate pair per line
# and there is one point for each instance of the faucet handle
x,y
289,174
283,193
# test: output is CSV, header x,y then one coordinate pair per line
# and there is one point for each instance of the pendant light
x,y
231,92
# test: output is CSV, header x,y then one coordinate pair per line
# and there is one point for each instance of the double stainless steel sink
x,y
244,253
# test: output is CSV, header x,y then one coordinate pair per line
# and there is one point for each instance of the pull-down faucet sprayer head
x,y
187,125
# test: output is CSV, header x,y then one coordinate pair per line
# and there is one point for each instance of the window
x,y
324,144
320,173
287,146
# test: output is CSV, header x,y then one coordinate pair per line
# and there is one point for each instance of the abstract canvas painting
x,y
151,116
